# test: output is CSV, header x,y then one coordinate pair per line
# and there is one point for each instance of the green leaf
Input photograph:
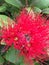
x,y
15,3
40,3
3,8
29,2
1,60
23,2
4,19
45,11
36,63
22,64
19,60
1,2
12,56
37,10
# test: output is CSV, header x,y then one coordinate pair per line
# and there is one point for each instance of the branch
x,y
26,3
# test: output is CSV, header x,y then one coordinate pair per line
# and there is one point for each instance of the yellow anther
x,y
16,38
28,45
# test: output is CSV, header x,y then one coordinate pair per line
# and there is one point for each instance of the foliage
x,y
9,9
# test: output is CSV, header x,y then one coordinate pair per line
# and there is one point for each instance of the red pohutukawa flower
x,y
29,35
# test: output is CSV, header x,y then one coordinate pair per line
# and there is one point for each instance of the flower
x,y
29,35
36,34
9,34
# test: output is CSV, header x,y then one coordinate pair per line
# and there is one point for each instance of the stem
x,y
26,3
5,49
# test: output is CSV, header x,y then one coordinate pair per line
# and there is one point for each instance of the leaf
x,y
12,56
3,8
14,11
45,11
36,63
37,10
4,19
22,64
1,2
1,60
23,2
40,3
29,2
15,3
19,60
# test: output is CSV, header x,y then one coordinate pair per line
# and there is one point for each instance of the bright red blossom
x,y
30,36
